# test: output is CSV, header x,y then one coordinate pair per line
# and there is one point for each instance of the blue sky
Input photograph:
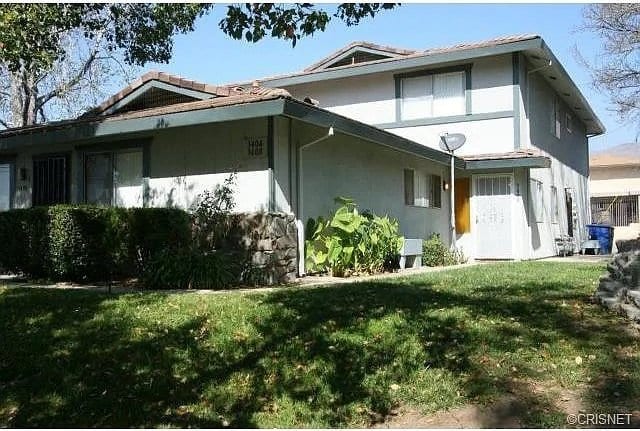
x,y
210,56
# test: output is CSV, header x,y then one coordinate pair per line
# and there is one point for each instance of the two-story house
x,y
365,122
525,180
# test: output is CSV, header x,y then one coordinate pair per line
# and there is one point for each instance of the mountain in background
x,y
623,154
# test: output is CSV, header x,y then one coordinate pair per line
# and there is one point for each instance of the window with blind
x,y
436,95
422,189
114,178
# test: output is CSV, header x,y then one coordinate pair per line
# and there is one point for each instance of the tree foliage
x,y
254,21
617,70
56,58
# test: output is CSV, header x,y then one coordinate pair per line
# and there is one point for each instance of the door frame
x,y
11,161
473,210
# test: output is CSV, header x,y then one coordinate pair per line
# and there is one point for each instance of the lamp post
x,y
450,143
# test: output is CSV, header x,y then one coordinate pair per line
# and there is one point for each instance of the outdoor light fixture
x,y
450,142
445,185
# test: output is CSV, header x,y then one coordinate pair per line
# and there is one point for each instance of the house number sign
x,y
254,145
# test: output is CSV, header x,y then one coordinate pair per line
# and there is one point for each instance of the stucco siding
x,y
483,136
372,98
373,176
186,162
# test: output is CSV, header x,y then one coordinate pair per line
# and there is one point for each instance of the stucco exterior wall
x,y
370,174
483,136
569,169
183,162
372,99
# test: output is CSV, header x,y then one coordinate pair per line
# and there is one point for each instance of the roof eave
x,y
515,162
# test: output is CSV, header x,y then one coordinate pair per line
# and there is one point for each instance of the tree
x,y
617,71
38,42
67,89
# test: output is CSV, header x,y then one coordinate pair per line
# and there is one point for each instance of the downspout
x,y
299,222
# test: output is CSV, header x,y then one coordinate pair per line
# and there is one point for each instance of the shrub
x,y
153,230
24,239
88,243
211,222
351,242
189,268
436,253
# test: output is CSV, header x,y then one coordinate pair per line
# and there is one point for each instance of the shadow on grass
x,y
327,357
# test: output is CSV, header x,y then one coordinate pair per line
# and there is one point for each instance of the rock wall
x,y
270,241
619,289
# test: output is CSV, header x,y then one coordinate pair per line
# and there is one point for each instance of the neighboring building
x,y
521,177
615,189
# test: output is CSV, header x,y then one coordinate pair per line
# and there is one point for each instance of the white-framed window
x,y
554,204
433,95
422,189
537,200
555,122
568,119
114,178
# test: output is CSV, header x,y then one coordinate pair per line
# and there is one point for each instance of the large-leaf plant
x,y
350,242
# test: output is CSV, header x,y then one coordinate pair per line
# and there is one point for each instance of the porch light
x,y
450,142
445,185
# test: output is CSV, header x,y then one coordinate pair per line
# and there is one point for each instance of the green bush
x,y
351,242
24,241
154,230
67,242
189,268
436,253
88,243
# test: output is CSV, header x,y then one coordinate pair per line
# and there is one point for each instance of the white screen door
x,y
127,179
5,187
493,205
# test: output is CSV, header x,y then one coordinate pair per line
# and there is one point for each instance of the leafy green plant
x,y
351,242
436,253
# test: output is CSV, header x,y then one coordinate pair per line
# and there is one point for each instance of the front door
x,y
5,186
493,217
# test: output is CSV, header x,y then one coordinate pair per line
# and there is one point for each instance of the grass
x,y
327,357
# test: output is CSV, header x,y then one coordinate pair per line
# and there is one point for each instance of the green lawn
x,y
323,357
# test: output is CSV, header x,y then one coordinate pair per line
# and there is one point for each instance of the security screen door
x,y
493,216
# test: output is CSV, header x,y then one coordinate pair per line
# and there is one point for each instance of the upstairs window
x,y
436,95
555,122
569,122
422,189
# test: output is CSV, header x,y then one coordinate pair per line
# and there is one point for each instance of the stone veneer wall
x,y
619,290
270,241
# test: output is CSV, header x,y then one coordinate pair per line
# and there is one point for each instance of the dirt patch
x,y
512,411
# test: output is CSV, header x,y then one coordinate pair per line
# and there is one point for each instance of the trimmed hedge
x,y
88,243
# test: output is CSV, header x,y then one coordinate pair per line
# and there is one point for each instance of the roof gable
x,y
358,52
156,89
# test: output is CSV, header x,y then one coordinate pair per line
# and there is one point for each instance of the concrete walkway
x,y
303,282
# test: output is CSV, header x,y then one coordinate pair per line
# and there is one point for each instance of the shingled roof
x,y
619,155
